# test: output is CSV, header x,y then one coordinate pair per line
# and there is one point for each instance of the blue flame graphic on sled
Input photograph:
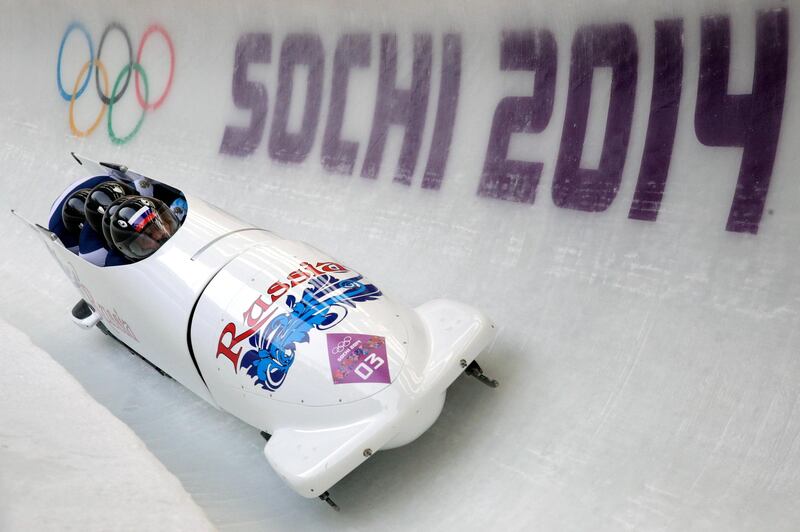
x,y
323,304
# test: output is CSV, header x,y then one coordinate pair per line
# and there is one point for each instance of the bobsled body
x,y
284,337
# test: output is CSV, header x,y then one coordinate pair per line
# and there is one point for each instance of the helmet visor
x,y
147,229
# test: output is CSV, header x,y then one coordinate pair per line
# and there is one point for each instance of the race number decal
x,y
357,358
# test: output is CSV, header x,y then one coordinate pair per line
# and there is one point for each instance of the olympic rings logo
x,y
132,68
342,345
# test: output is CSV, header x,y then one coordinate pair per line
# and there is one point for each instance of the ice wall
x,y
612,181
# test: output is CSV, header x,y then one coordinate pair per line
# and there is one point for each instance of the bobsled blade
x,y
474,370
326,497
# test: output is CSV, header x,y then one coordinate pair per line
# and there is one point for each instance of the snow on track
x,y
66,463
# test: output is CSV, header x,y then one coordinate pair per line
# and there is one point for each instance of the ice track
x,y
630,227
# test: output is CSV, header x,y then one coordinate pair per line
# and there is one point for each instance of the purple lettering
x,y
504,178
667,82
752,121
241,141
406,107
593,190
297,49
352,50
445,111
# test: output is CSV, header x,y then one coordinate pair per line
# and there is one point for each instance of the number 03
x,y
369,365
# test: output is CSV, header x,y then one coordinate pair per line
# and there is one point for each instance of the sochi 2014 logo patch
x,y
273,336
358,358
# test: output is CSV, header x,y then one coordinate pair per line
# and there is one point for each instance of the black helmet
x,y
141,225
106,223
73,210
100,198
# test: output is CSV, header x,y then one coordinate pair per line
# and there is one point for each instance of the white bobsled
x,y
280,335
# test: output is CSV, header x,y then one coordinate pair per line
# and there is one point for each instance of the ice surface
x,y
649,369
66,463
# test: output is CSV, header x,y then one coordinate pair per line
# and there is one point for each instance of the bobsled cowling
x,y
284,337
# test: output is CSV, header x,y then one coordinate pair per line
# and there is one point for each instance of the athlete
x,y
140,226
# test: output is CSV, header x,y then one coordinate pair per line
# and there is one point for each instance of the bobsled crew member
x,y
115,222
140,226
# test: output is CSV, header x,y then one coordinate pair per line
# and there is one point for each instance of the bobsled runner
x,y
275,332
